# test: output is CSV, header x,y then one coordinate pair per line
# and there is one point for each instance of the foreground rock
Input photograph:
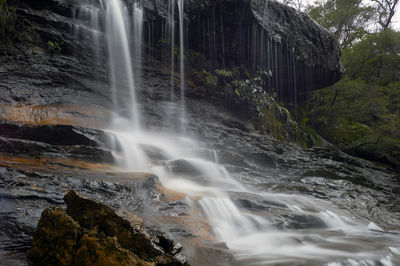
x,y
91,233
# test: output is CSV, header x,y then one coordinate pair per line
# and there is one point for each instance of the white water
x,y
137,40
184,165
253,236
181,4
121,70
171,30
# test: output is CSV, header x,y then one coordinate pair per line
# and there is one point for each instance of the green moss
x,y
55,229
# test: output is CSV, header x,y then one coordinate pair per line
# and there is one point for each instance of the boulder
x,y
91,233
91,214
55,239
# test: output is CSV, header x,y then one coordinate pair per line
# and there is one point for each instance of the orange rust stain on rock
x,y
170,195
90,116
194,222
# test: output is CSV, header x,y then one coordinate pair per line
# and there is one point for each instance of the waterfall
x,y
254,235
121,70
182,62
171,26
137,14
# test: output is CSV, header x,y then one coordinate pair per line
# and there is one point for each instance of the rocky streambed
x,y
40,163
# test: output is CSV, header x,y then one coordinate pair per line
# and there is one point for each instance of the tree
x,y
385,11
300,5
376,59
347,20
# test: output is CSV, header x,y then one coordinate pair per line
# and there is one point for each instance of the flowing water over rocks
x,y
231,196
306,206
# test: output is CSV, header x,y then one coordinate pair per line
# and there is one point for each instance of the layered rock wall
x,y
297,53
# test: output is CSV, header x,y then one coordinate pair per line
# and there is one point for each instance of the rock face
x,y
265,35
90,233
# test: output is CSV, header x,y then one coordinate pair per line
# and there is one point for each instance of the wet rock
x,y
90,214
91,233
154,153
16,146
55,239
262,159
183,167
37,149
61,141
89,153
55,135
322,173
104,251
304,222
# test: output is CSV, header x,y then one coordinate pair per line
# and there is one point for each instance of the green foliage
x,y
375,59
361,113
14,29
2,3
251,93
347,20
54,47
224,73
360,117
211,81
7,20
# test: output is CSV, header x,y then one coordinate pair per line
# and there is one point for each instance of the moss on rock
x,y
55,239
104,252
91,233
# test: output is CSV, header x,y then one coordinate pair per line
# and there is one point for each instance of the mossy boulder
x,y
91,214
104,252
91,233
55,239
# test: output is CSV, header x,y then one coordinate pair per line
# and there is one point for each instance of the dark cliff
x,y
298,54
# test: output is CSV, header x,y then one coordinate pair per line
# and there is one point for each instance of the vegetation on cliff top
x,y
361,113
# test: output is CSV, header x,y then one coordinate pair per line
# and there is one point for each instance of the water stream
x,y
270,234
181,4
119,54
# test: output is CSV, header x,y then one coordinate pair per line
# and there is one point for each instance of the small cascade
x,y
229,223
181,4
169,57
137,15
87,25
171,34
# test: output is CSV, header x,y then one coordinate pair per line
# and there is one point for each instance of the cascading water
x,y
121,70
171,27
137,15
181,4
333,235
